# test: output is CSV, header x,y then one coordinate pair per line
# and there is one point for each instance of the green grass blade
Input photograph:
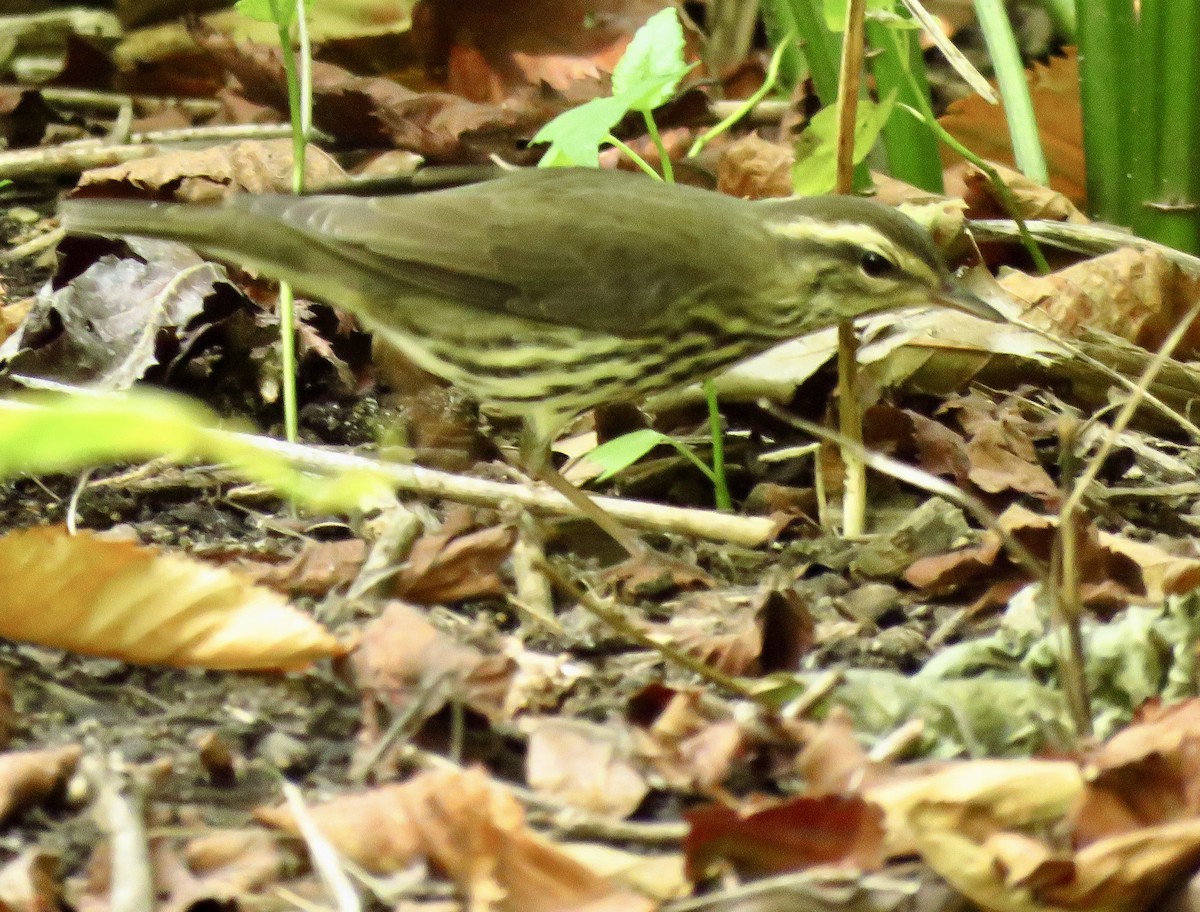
x,y
898,66
1169,172
1107,81
1010,74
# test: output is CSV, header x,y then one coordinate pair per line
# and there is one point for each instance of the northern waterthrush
x,y
547,292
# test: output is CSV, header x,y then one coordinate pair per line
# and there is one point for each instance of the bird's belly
x,y
525,369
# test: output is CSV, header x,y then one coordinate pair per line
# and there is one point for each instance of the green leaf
x,y
835,11
645,77
280,12
621,452
575,136
815,170
650,69
55,433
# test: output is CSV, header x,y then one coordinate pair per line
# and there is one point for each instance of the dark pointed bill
x,y
956,297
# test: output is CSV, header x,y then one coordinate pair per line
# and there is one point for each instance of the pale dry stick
x,y
120,808
122,126
33,246
958,62
849,81
816,691
854,484
1090,238
110,102
83,155
750,531
817,890
767,111
1066,595
854,493
72,511
534,598
322,854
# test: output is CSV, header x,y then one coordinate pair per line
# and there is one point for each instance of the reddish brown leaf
x,y
792,835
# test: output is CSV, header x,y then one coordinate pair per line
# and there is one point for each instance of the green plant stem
x,y
748,105
822,48
668,172
633,156
1062,12
993,176
720,482
1010,74
299,108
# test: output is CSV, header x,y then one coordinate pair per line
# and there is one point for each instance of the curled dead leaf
x,y
120,600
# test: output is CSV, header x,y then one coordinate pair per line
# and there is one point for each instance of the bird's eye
x,y
875,264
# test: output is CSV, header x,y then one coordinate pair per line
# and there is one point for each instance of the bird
x,y
546,292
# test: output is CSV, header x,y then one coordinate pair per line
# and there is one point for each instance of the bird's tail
x,y
255,239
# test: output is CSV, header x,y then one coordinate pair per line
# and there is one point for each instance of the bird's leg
x,y
592,510
535,457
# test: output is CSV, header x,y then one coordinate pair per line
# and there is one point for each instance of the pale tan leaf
x,y
120,600
470,828
584,765
1033,200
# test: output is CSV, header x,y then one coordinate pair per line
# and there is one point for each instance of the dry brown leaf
x,y
982,825
753,168
470,828
490,50
210,175
120,600
1033,200
1134,294
833,761
1054,88
691,742
379,113
660,876
30,881
1114,570
1003,458
320,567
999,794
453,565
584,765
240,861
1128,873
1146,774
402,658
